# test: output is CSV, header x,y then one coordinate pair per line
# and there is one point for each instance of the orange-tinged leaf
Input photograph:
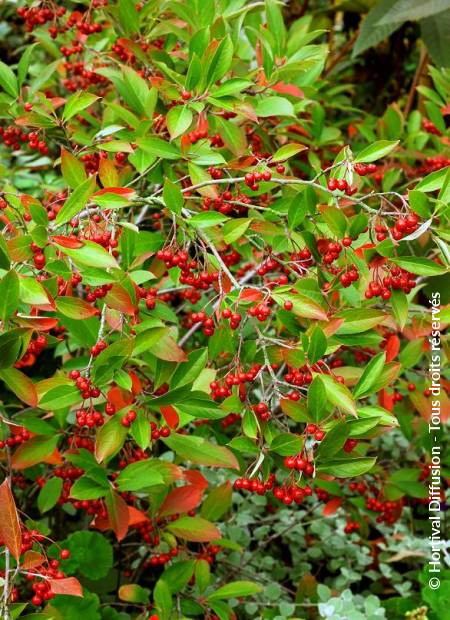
x,y
75,308
69,586
41,323
133,593
118,514
21,385
181,499
67,242
194,529
10,532
136,516
119,299
41,448
108,174
31,559
331,507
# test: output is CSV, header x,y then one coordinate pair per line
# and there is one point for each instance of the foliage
x,y
221,283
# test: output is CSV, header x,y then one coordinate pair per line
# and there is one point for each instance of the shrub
x,y
222,287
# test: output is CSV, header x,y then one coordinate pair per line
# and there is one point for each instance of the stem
x,y
417,75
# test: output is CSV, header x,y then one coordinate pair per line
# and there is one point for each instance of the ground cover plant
x,y
223,298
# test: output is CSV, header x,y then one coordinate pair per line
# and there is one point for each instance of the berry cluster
x,y
389,511
342,186
397,279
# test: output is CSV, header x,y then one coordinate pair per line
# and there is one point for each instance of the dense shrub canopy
x,y
223,283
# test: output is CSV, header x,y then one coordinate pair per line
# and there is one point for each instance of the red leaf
x,y
170,416
119,191
118,514
181,499
331,507
119,398
196,478
9,521
69,586
136,385
386,400
392,347
68,242
250,294
288,89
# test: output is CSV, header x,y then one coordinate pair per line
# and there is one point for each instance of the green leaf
x,y
140,475
49,494
198,450
60,397
90,553
163,599
420,266
399,303
77,103
32,292
8,80
412,10
178,575
433,181
172,196
375,151
235,589
24,63
339,395
220,62
218,502
159,148
435,32
90,254
359,320
194,529
346,468
333,441
317,400
235,229
335,220
371,32
233,136
76,201
9,295
88,487
370,375
128,16
206,220
72,169
317,345
11,345
110,439
179,119
274,106
286,444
